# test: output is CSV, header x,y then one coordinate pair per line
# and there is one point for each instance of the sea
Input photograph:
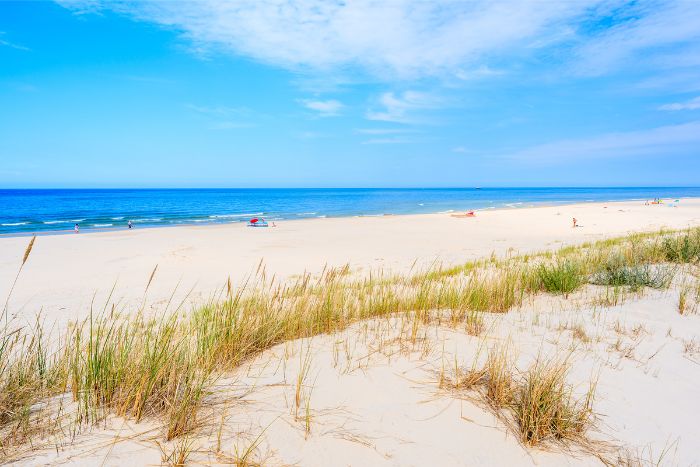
x,y
55,211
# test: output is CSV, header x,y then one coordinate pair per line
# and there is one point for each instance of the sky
x,y
364,93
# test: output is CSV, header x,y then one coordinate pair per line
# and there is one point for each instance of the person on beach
x,y
575,223
76,228
129,224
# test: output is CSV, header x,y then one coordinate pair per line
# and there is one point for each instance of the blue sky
x,y
359,93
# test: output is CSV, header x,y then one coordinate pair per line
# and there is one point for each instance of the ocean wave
x,y
102,225
13,224
155,219
306,213
56,222
117,218
228,216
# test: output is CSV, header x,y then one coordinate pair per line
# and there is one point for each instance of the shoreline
x,y
192,224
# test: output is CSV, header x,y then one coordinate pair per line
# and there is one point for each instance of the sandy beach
x,y
69,272
384,391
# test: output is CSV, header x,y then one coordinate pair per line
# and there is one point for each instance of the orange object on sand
x,y
468,214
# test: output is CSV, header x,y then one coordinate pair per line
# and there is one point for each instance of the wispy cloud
x,y
396,140
219,110
223,117
6,43
327,108
668,140
482,71
383,131
406,107
692,104
638,35
230,125
404,39
310,135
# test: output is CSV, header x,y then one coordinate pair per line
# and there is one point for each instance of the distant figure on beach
x,y
76,228
575,223
129,224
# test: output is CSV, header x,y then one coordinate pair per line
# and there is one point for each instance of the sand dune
x,y
374,393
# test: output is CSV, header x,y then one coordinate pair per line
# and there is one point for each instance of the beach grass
x,y
163,367
562,277
537,404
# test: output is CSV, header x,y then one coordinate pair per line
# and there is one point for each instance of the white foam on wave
x,y
55,222
103,225
155,219
117,218
13,224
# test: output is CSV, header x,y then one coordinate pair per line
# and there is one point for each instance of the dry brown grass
x,y
537,404
545,408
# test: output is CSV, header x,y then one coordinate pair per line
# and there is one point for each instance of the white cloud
x,y
223,117
642,35
389,141
383,131
403,107
668,140
230,125
329,108
307,135
482,71
219,110
395,39
12,45
692,104
412,39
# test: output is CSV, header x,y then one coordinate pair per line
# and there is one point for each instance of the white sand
x,y
374,399
65,272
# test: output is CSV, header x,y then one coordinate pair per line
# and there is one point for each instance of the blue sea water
x,y
55,211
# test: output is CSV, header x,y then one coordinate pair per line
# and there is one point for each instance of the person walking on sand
x,y
76,228
129,224
575,223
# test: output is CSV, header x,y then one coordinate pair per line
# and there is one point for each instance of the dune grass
x,y
616,272
536,404
163,367
562,277
544,407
